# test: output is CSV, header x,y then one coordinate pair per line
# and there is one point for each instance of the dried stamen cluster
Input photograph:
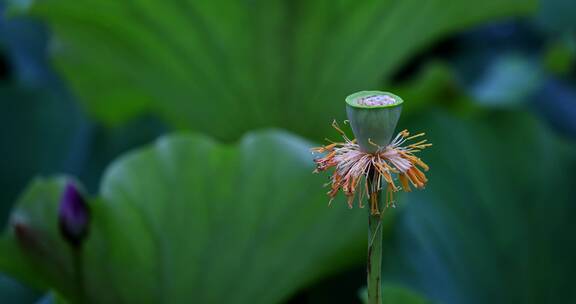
x,y
353,166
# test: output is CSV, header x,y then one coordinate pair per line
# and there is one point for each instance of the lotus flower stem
x,y
79,275
374,264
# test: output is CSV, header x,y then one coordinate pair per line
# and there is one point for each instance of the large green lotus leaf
x,y
189,220
223,67
395,294
36,130
495,224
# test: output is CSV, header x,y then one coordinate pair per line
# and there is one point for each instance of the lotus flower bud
x,y
74,216
373,116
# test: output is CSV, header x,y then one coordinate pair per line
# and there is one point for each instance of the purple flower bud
x,y
74,216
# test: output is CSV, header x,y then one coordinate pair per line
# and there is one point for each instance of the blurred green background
x,y
188,124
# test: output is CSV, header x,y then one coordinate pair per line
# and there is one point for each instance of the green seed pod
x,y
373,116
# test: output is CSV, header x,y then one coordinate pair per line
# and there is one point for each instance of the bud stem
x,y
375,235
79,274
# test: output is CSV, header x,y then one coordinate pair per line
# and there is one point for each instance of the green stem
x,y
79,274
374,266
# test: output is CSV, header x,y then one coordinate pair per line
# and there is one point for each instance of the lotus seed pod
x,y
373,116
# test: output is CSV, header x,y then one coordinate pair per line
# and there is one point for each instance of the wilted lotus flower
x,y
369,162
74,216
373,157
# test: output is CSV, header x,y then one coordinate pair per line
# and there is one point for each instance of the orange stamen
x,y
404,182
